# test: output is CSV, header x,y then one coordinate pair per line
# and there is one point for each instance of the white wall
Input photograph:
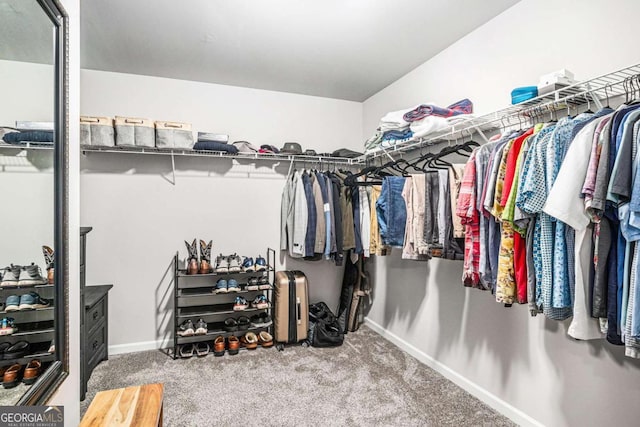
x,y
529,363
26,177
141,218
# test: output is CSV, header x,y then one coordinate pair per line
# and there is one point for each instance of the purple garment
x,y
420,112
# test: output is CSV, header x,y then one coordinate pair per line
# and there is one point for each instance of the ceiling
x,y
346,49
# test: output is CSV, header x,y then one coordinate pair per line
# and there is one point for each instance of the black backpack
x,y
324,330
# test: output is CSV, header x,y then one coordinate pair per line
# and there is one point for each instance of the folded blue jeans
x,y
392,211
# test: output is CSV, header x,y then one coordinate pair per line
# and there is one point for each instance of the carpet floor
x,y
367,381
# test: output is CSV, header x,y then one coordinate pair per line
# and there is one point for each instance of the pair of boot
x,y
204,266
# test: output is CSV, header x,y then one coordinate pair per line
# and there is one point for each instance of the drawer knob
x,y
95,344
95,315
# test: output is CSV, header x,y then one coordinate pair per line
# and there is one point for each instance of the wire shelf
x,y
596,90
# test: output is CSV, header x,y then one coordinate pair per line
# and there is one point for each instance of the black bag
x,y
324,330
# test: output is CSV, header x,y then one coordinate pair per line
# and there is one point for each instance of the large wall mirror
x,y
33,225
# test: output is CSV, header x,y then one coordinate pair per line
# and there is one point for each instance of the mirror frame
x,y
51,379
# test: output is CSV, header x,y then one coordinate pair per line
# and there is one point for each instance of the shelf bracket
x,y
173,169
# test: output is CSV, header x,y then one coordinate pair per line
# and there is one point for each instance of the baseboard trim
x,y
137,346
476,390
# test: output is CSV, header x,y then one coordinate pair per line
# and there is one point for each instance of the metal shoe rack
x,y
195,298
33,326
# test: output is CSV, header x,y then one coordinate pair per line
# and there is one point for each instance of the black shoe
x,y
231,325
243,323
261,320
17,350
186,329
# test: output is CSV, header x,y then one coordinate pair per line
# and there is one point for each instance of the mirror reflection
x,y
27,259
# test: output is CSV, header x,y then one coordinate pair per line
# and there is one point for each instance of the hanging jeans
x,y
392,211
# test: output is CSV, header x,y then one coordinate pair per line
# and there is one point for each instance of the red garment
x,y
512,159
520,267
469,217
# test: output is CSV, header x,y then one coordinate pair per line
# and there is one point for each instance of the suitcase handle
x,y
173,125
134,121
298,311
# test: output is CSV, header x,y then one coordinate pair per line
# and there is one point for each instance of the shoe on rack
x,y
11,275
39,301
218,346
32,372
52,347
253,284
249,340
230,324
192,259
265,338
235,263
243,323
202,349
263,283
186,351
31,276
11,376
261,320
222,264
261,264
233,286
234,345
201,327
221,287
260,302
27,302
248,265
205,257
12,303
49,261
240,304
4,347
7,327
186,329
17,350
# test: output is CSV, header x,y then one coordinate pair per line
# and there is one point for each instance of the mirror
x,y
33,183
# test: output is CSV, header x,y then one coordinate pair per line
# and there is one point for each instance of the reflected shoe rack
x,y
195,298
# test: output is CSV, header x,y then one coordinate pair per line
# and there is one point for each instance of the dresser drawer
x,y
95,315
96,346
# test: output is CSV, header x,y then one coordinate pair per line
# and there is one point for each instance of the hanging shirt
x,y
301,216
469,217
564,202
365,221
456,171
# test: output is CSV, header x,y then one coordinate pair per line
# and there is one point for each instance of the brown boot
x,y
192,267
205,257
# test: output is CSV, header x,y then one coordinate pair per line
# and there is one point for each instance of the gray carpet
x,y
367,381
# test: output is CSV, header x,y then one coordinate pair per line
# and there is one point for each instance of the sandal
x,y
243,323
230,325
202,349
266,340
186,351
250,341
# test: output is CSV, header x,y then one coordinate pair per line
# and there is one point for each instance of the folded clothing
x,y
245,147
421,111
215,146
431,124
346,153
213,137
521,94
42,136
266,148
397,135
394,120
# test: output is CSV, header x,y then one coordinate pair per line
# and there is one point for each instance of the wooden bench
x,y
139,406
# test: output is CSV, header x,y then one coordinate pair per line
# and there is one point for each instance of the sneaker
x,y
261,264
233,286
248,266
222,264
11,275
221,287
186,329
230,324
12,303
252,284
201,327
261,320
52,347
39,301
240,304
235,264
26,302
31,276
260,302
263,283
7,326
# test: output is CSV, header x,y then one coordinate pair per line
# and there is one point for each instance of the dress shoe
x,y
11,376
234,345
32,372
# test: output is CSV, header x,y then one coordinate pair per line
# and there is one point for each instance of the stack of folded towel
x,y
214,142
416,122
